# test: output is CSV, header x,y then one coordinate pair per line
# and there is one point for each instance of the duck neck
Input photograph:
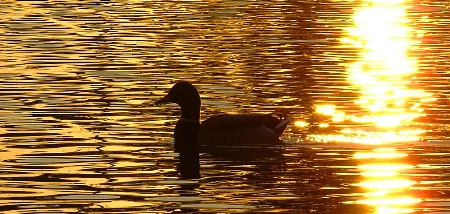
x,y
191,113
190,108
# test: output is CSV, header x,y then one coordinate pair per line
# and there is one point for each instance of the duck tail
x,y
280,127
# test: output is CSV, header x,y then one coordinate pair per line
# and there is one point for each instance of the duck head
x,y
187,97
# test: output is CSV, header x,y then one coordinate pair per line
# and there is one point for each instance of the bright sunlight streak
x,y
386,188
384,76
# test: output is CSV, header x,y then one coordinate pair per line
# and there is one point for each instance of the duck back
x,y
241,129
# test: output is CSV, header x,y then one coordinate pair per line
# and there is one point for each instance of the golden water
x,y
366,83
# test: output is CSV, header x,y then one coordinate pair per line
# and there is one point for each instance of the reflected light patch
x,y
324,125
387,184
300,123
326,109
368,137
388,210
379,154
380,193
383,180
379,174
383,75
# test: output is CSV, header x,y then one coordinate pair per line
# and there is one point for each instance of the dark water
x,y
80,134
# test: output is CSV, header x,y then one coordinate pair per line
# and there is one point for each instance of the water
x,y
80,134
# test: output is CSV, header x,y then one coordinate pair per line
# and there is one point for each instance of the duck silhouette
x,y
219,130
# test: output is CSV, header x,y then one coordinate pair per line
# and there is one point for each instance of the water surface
x,y
366,83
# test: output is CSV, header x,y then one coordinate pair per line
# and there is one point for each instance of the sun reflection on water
x,y
383,75
385,187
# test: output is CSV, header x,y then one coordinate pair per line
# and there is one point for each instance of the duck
x,y
222,129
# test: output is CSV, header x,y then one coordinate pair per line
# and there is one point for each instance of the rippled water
x,y
80,132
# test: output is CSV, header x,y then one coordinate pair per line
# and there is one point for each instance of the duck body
x,y
241,129
219,130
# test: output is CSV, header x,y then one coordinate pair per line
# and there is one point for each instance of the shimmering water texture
x,y
366,83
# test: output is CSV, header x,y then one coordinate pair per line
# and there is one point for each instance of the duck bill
x,y
165,99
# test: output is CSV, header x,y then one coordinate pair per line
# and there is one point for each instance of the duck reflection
x,y
186,145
